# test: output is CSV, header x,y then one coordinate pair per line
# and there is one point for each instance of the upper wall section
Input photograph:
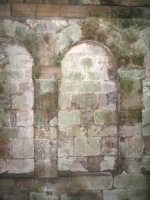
x,y
116,9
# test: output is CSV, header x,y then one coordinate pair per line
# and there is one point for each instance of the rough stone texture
x,y
72,11
20,166
47,11
78,102
23,10
5,10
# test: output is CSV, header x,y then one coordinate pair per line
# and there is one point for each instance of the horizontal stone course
x,y
47,10
23,10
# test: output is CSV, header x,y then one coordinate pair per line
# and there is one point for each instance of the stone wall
x,y
74,101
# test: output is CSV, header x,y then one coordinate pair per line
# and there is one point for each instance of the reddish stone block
x,y
5,149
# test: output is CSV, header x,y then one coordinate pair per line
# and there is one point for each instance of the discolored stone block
x,y
130,131
72,11
22,10
130,117
20,166
145,117
109,146
86,146
87,117
23,148
4,101
24,118
105,117
46,132
2,166
5,148
5,10
45,86
64,101
130,181
65,147
6,185
109,163
95,130
131,147
48,10
69,118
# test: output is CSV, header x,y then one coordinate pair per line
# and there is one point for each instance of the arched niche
x,y
16,108
87,118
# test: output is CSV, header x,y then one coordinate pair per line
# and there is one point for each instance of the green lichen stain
x,y
87,62
138,59
126,85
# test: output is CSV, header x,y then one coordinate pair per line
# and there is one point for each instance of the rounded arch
x,y
17,99
88,110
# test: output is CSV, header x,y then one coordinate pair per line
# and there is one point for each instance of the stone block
x,y
131,166
8,133
70,131
145,117
121,12
26,132
49,72
69,118
146,130
72,11
64,101
80,87
23,148
35,195
146,140
42,149
6,185
108,87
130,181
5,148
131,73
47,10
2,166
4,101
45,86
20,166
97,11
91,182
109,163
141,12
46,101
134,194
131,101
5,10
46,132
109,146
105,117
65,147
34,1
23,10
24,118
95,130
146,101
87,117
5,118
130,117
86,146
145,163
131,147
23,102
84,101
130,131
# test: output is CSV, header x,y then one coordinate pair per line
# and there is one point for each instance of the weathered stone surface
x,y
131,147
92,183
23,148
69,118
24,118
105,117
131,73
145,130
109,163
5,10
130,131
6,185
145,117
2,165
131,101
22,10
44,86
135,194
14,196
72,11
95,130
46,133
47,10
5,148
131,166
35,195
20,166
86,146
145,163
130,181
65,147
109,146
